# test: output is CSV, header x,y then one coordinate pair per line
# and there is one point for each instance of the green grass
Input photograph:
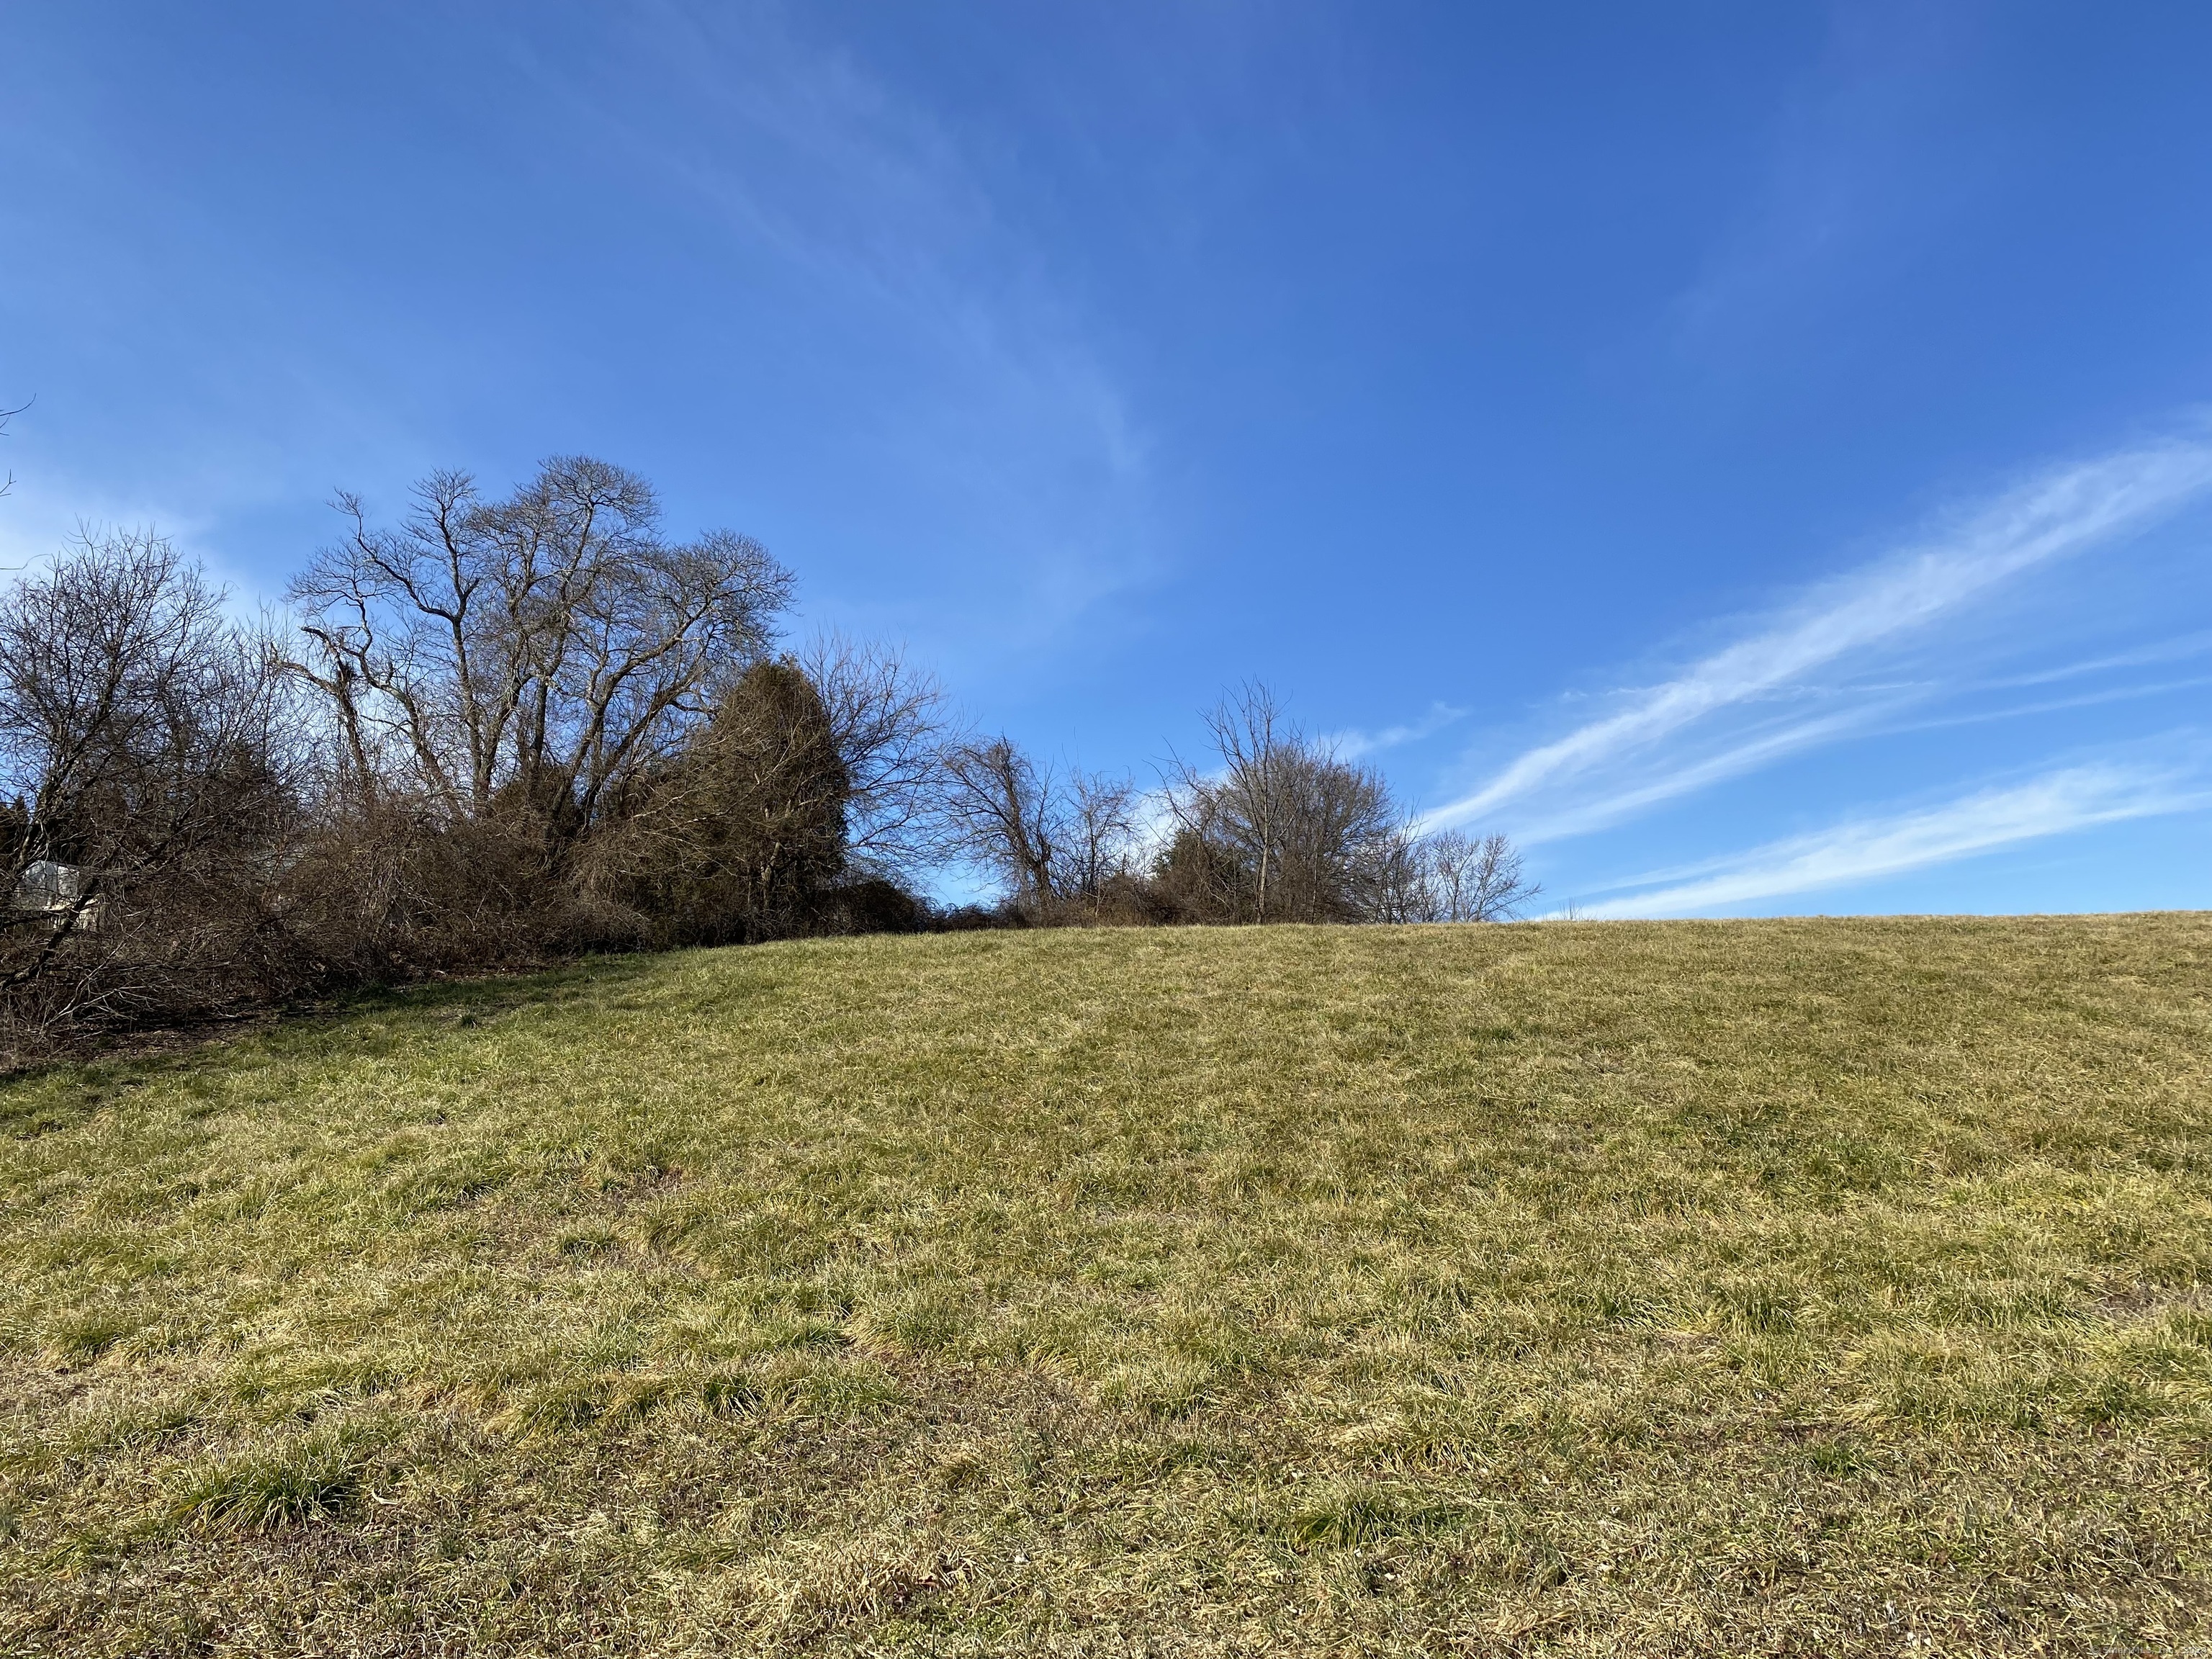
x,y
1812,1288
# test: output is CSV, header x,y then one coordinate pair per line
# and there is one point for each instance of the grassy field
x,y
1812,1287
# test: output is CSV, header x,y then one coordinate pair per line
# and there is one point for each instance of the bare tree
x,y
538,649
1280,828
145,744
888,724
6,415
1475,880
1003,809
1398,887
1243,805
1062,844
1098,839
1449,876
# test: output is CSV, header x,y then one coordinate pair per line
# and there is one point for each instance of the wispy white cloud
x,y
1352,744
2062,511
1761,748
2054,705
2068,799
992,389
53,511
2180,649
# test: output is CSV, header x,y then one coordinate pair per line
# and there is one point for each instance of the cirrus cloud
x,y
1633,758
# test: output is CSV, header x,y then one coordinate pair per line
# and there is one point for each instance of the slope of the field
x,y
1815,1286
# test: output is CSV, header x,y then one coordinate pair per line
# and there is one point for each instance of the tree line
x,y
1271,826
506,730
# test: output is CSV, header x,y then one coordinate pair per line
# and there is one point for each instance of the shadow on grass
x,y
63,1091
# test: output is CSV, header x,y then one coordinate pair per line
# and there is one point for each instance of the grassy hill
x,y
1804,1286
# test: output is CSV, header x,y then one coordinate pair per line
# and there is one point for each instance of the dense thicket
x,y
502,731
505,729
154,771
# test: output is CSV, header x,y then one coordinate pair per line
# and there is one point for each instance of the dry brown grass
x,y
1807,1286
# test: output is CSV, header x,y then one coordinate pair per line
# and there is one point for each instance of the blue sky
x,y
1759,456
